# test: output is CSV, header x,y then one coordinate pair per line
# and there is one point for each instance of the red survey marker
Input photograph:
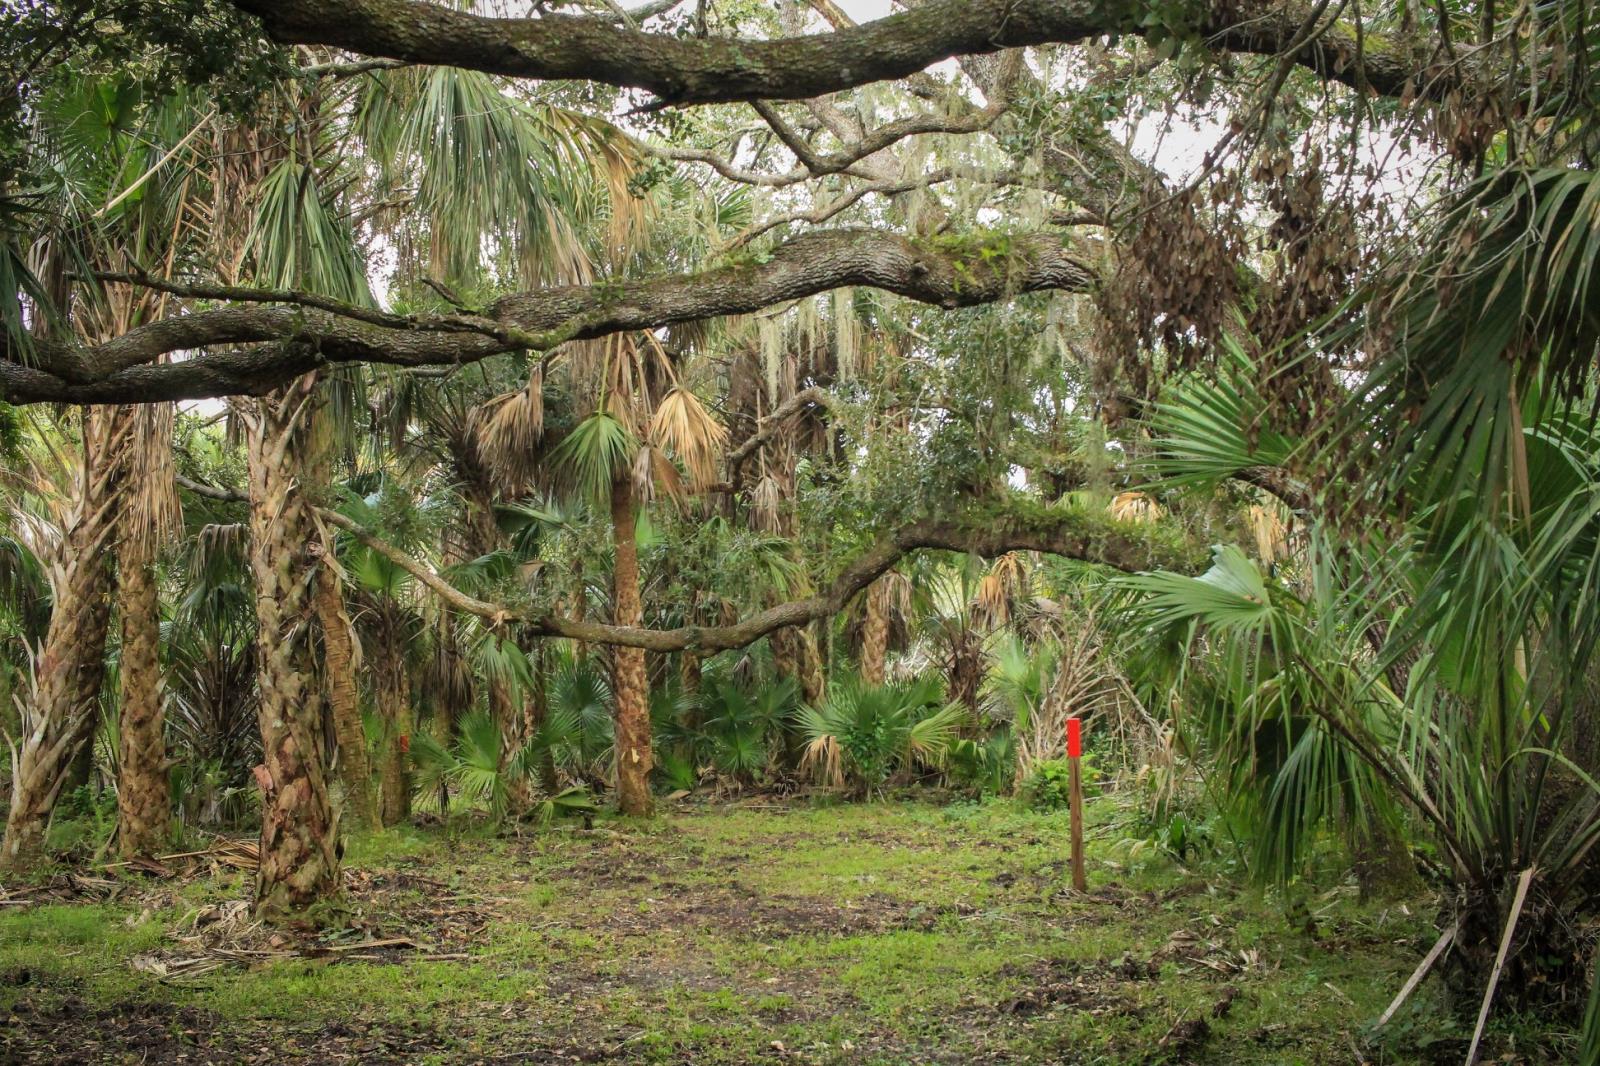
x,y
1074,738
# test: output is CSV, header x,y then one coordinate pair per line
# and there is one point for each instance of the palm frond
x,y
597,451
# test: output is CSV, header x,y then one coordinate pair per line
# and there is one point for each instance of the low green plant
x,y
85,819
864,734
572,802
744,727
986,764
472,764
1049,788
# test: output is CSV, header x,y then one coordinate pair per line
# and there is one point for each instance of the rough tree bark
x,y
1125,546
785,645
696,70
299,852
124,368
875,633
394,708
58,718
630,685
148,515
339,659
144,803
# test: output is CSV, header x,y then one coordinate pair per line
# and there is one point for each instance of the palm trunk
x,y
394,707
813,678
630,685
299,858
689,673
144,802
875,633
785,645
537,710
509,718
339,671
59,718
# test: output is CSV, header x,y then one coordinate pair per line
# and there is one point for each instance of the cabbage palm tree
x,y
57,713
645,422
1485,583
143,794
299,865
100,137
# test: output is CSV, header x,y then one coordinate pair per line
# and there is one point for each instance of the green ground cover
x,y
765,932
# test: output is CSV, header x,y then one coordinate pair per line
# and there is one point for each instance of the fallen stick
x,y
1421,971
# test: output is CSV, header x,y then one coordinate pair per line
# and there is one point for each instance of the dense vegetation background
x,y
491,418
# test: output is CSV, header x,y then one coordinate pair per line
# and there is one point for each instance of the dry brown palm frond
x,y
824,757
643,474
995,598
896,591
655,364
1087,684
508,431
153,513
684,428
766,505
1135,507
991,607
654,474
1012,570
219,549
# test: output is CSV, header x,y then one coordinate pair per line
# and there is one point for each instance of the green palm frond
x,y
929,739
579,723
499,657
570,801
599,450
1495,326
472,764
297,241
1231,596
1276,686
491,169
874,731
1212,427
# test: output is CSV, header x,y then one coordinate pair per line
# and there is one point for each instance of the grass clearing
x,y
889,933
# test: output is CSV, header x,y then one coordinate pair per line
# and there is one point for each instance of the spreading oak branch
x,y
683,70
773,423
247,349
1071,534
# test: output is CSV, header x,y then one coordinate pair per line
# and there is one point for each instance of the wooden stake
x,y
1075,787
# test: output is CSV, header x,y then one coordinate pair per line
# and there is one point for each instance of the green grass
x,y
886,933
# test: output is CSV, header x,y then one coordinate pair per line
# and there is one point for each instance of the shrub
x,y
1049,788
866,733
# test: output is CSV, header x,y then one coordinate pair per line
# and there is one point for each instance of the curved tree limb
x,y
683,70
1074,534
290,340
773,423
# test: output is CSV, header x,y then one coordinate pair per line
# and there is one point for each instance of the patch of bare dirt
x,y
44,1027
